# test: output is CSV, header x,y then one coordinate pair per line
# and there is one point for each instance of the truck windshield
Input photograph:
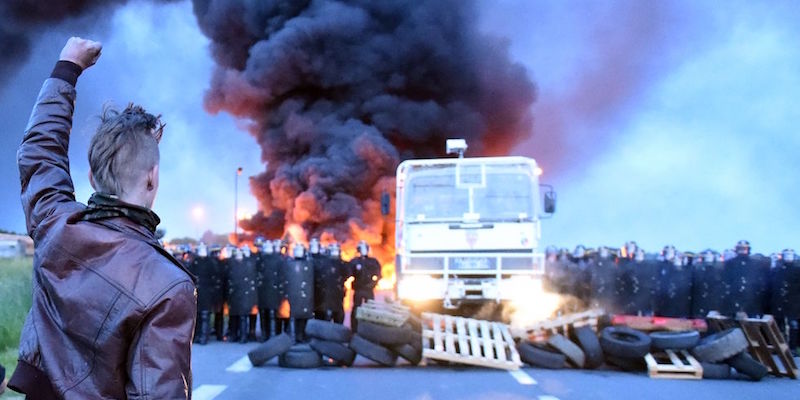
x,y
447,192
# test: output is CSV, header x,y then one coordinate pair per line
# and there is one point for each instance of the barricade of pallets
x,y
766,343
672,364
383,313
542,330
468,341
652,323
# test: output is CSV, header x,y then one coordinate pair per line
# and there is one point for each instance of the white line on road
x,y
208,392
546,397
241,365
522,377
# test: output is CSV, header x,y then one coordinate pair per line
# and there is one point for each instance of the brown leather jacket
x,y
113,313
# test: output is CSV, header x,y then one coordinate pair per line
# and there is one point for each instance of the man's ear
x,y
91,180
152,179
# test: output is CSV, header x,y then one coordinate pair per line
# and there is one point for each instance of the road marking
x,y
208,392
547,397
522,377
241,365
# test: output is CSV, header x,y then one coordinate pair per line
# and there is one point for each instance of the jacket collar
x,y
104,206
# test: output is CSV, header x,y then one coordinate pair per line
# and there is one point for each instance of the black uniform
x,y
603,283
366,272
709,291
784,302
746,280
674,290
204,269
299,289
625,283
329,277
242,295
270,292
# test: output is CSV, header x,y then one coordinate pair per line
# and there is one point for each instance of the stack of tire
x,y
583,350
383,344
624,347
721,351
328,345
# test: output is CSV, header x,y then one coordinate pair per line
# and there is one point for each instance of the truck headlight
x,y
420,288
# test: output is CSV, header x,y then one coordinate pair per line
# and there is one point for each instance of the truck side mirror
x,y
386,202
550,202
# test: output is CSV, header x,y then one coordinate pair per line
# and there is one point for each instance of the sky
x,y
659,122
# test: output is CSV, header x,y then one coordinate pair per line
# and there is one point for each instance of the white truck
x,y
468,230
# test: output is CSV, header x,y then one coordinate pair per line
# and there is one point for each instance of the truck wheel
x,y
675,340
327,330
720,346
302,357
539,357
385,335
373,351
335,350
587,339
409,353
274,346
571,350
745,364
624,342
627,364
716,371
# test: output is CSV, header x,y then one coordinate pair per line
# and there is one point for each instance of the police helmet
x,y
639,255
245,250
299,251
630,248
603,252
334,251
668,253
313,246
788,255
743,248
266,247
202,250
580,251
238,253
709,257
363,248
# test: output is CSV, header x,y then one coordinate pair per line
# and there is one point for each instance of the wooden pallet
x,y
650,324
468,341
766,343
672,364
541,331
390,314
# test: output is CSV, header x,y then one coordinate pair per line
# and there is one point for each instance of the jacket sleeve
x,y
159,360
42,156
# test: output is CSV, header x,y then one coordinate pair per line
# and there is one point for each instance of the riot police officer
x,y
366,272
299,288
220,291
329,277
708,291
746,279
269,288
203,268
242,294
579,279
785,295
624,278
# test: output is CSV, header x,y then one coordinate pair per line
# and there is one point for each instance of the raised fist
x,y
81,51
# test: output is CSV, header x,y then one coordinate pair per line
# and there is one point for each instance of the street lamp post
x,y
236,205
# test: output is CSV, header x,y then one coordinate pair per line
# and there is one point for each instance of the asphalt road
x,y
222,371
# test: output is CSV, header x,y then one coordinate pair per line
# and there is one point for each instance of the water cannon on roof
x,y
456,146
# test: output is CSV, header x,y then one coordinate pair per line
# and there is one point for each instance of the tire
x,y
587,339
373,351
745,364
720,346
385,335
674,340
409,353
416,340
300,359
624,342
414,322
340,353
327,330
627,364
716,371
539,357
274,346
571,350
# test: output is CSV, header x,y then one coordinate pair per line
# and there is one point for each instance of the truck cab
x,y
468,230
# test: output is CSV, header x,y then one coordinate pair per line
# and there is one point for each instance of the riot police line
x,y
277,287
679,284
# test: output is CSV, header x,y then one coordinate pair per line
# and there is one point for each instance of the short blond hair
x,y
124,148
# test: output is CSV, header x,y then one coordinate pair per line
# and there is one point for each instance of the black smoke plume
x,y
337,93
